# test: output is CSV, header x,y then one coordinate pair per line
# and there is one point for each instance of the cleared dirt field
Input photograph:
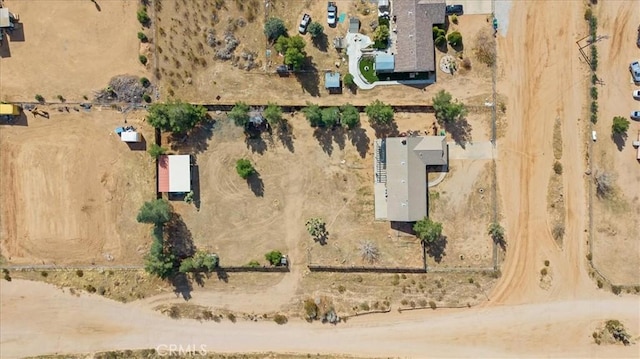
x,y
189,71
463,204
70,189
68,48
616,231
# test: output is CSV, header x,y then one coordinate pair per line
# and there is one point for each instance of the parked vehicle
x,y
636,94
634,67
304,23
454,10
594,136
332,13
635,115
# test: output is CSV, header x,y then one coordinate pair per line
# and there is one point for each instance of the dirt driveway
x,y
68,48
70,190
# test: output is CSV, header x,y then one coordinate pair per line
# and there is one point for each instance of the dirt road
x,y
559,329
542,88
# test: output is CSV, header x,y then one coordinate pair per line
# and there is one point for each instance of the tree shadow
x,y
325,139
256,184
443,47
460,131
339,135
436,249
321,42
359,140
179,237
255,142
501,243
619,139
388,130
285,135
200,277
182,286
97,5
5,49
138,146
310,82
20,120
222,275
197,140
458,47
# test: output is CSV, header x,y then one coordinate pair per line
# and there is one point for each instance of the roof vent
x,y
404,142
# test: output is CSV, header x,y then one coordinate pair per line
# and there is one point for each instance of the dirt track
x,y
521,320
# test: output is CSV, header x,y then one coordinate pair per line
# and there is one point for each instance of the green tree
x,y
427,230
155,150
315,29
240,114
438,32
316,227
349,116
379,113
201,261
446,110
348,80
284,43
159,261
330,116
313,114
274,257
440,41
157,211
244,168
274,28
381,34
620,125
143,17
142,37
455,39
175,116
273,114
294,58
496,232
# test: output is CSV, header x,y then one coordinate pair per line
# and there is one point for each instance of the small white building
x,y
130,136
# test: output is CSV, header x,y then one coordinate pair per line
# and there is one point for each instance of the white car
x,y
635,115
634,67
594,137
636,94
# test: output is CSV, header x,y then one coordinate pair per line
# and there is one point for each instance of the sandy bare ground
x,y
559,329
68,48
521,320
60,205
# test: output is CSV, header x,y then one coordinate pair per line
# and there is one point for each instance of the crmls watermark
x,y
181,350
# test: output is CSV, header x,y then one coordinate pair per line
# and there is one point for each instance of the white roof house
x,y
174,173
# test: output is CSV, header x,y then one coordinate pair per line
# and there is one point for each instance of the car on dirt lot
x,y
636,94
594,136
635,115
304,23
454,10
332,13
634,67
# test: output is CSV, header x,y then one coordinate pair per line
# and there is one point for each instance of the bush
x,y
600,284
589,256
485,47
440,41
422,302
253,264
310,309
616,289
471,280
60,98
341,289
280,319
544,271
315,29
438,32
143,17
588,13
143,59
330,117
274,257
156,151
557,168
239,114
7,277
348,80
454,18
79,273
594,58
231,317
142,37
620,125
594,107
313,113
432,304
546,263
273,114
594,79
594,93
404,302
364,306
157,211
447,111
146,98
39,98
145,82
89,288
274,28
454,39
201,261
244,168
379,113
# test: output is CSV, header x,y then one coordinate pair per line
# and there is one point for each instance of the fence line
x,y
57,268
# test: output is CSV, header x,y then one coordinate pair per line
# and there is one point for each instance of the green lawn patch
x,y
367,69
